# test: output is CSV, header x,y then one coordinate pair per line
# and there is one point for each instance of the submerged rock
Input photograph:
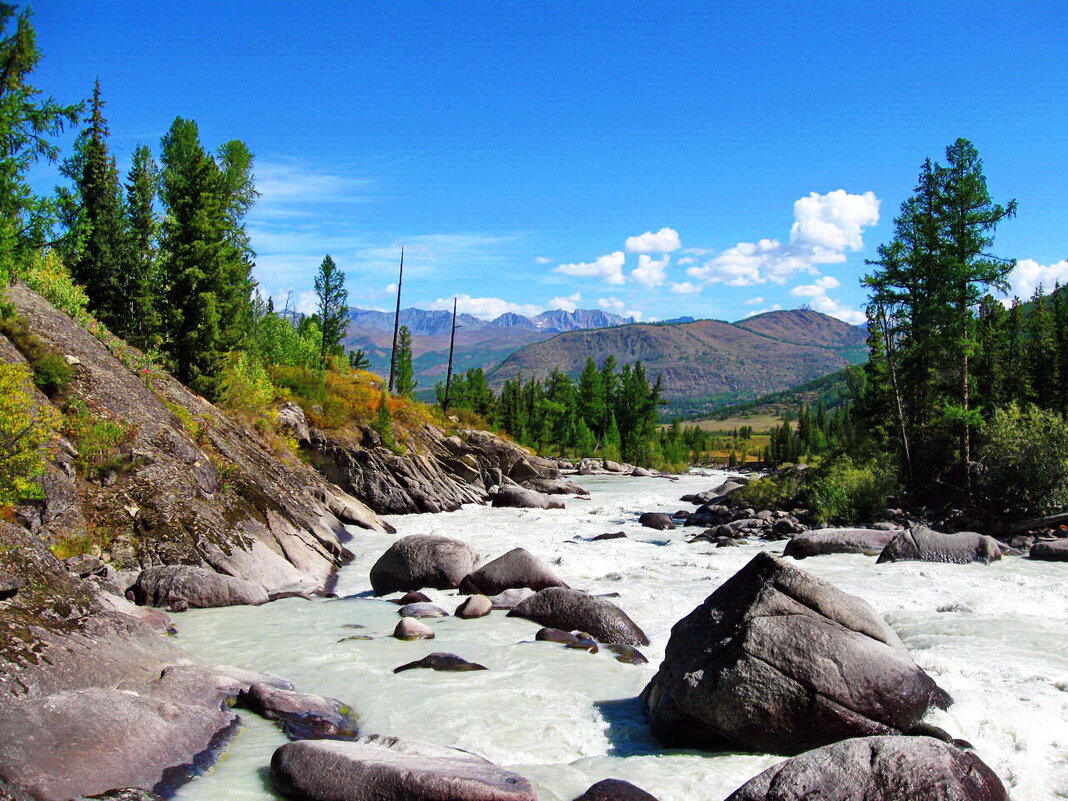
x,y
391,769
877,769
303,716
628,654
838,540
574,610
515,569
440,660
196,586
556,635
421,560
509,599
779,661
413,597
421,610
924,545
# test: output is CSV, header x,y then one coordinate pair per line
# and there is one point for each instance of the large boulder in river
x,y
519,498
197,586
515,569
877,769
573,610
421,560
838,540
615,790
657,520
390,769
779,661
1056,551
302,716
554,486
921,544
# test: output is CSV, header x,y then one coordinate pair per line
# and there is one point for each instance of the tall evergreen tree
x,y
142,281
1040,359
235,162
333,307
405,381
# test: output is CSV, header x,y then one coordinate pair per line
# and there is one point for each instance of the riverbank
x,y
992,635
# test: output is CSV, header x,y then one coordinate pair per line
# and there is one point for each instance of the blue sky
x,y
704,159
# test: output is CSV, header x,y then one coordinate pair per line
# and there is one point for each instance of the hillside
x,y
708,359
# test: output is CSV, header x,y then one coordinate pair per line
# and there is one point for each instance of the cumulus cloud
x,y
569,303
609,267
543,260
650,272
665,240
818,299
824,228
755,312
1028,274
483,308
754,301
685,288
610,304
637,315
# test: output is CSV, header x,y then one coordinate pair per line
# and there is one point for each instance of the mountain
x,y
709,359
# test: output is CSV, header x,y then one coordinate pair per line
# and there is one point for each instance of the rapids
x,y
994,636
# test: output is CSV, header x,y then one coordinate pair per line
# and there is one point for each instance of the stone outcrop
x,y
571,610
779,661
302,716
517,497
195,586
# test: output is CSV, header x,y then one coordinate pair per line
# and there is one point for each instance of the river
x,y
994,636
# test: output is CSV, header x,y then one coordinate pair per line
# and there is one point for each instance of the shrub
x,y
781,491
1023,465
98,440
26,435
305,385
246,387
51,373
46,274
846,493
188,420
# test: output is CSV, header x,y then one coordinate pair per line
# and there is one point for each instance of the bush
x,y
781,491
246,387
51,374
845,493
305,385
1023,466
47,275
98,440
26,435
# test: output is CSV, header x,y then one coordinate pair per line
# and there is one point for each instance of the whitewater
x,y
993,636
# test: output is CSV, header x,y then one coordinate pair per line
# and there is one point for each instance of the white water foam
x,y
993,636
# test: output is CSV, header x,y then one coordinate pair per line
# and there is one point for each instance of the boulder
x,y
155,618
779,661
520,498
391,769
924,545
411,629
421,560
657,520
554,486
440,660
611,535
475,606
510,599
615,790
413,597
627,654
877,769
556,635
196,586
641,472
302,716
837,540
1055,551
421,610
515,569
567,609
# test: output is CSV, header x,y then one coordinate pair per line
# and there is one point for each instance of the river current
x,y
994,636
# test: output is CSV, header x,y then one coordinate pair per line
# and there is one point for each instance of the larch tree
x,y
141,282
333,307
405,380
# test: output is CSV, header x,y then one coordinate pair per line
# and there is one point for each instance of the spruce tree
x,y
141,284
333,307
405,382
235,162
1041,356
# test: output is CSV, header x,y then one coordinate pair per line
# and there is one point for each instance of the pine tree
x,y
406,382
1041,356
591,398
237,186
141,287
333,307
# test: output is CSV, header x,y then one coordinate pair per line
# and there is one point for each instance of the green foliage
x,y
1024,461
51,373
780,491
405,379
26,434
188,420
843,492
334,309
246,388
45,273
302,383
98,440
358,360
383,422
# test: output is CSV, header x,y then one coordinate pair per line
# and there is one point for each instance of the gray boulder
x,y
475,606
411,629
838,540
391,769
510,599
421,560
196,586
422,610
554,486
779,661
1056,551
515,569
921,544
440,660
572,610
877,769
520,498
302,716
615,790
657,520
10,584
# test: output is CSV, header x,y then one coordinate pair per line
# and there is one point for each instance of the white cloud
x,y
665,240
754,301
484,308
609,267
570,303
824,228
686,260
290,188
755,312
637,315
307,302
685,288
543,260
1028,274
819,300
610,304
650,272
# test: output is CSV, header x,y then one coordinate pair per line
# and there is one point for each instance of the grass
x,y
761,423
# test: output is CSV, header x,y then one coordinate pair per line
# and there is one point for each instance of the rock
x,y
779,661
614,535
641,472
924,545
571,609
657,520
291,419
153,617
197,586
439,660
515,569
475,606
628,654
1055,551
877,769
556,635
1022,541
612,467
10,585
411,629
523,470
510,599
302,716
554,486
413,597
422,610
519,498
391,769
615,790
421,560
838,540
124,794
583,642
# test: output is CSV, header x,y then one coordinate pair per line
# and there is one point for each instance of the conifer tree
x,y
405,382
141,286
333,307
1040,358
